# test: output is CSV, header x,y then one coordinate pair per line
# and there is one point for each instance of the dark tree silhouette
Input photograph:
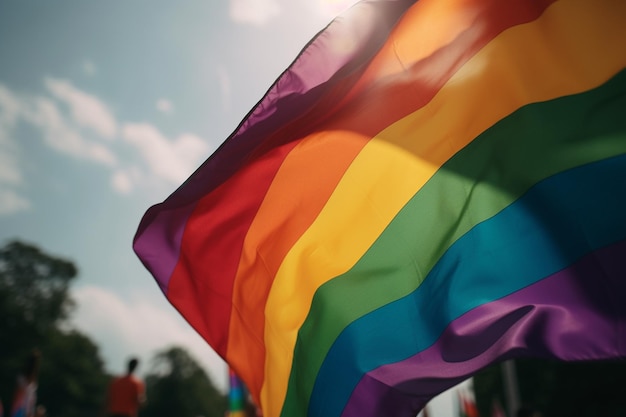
x,y
34,304
178,386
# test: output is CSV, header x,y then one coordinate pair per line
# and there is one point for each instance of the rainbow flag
x,y
236,396
431,187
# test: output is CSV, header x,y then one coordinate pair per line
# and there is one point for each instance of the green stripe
x,y
535,142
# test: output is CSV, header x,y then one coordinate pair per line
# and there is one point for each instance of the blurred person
x,y
126,393
25,395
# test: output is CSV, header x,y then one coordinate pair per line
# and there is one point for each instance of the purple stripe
x,y
158,245
318,69
573,315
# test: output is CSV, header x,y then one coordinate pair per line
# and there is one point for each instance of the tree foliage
x,y
34,303
33,295
178,386
72,381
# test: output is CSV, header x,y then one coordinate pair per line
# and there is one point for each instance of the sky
x,y
106,107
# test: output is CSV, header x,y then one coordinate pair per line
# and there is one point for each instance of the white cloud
x,y
63,137
62,129
122,182
172,161
256,12
164,105
58,131
100,153
87,110
139,328
10,174
9,113
11,202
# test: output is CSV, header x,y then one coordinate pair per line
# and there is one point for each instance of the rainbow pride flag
x,y
236,396
431,187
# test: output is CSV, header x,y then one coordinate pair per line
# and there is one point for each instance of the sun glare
x,y
332,8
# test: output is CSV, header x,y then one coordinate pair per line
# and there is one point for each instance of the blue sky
x,y
105,108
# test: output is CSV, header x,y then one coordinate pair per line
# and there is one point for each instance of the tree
x,y
178,386
33,288
34,303
33,300
72,381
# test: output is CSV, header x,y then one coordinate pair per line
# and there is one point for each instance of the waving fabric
x,y
431,187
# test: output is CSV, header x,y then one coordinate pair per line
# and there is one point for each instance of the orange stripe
x,y
267,243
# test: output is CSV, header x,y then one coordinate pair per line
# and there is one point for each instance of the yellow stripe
x,y
574,46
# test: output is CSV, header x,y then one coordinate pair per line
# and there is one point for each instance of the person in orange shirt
x,y
126,393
